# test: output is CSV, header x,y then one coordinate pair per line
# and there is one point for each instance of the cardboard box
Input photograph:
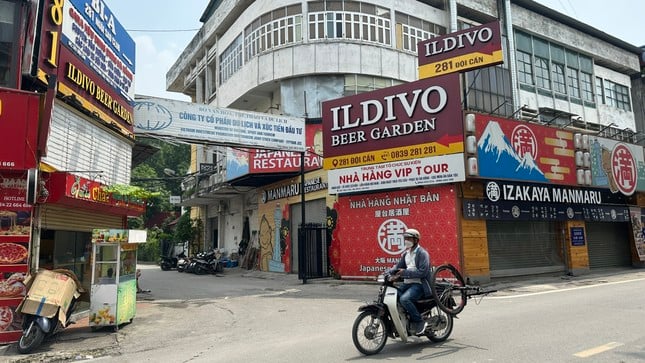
x,y
49,291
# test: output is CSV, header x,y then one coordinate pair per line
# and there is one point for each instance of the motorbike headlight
x,y
380,278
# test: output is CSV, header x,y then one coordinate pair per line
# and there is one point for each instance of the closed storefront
x,y
608,244
523,248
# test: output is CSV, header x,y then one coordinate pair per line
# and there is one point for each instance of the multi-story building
x,y
66,122
565,84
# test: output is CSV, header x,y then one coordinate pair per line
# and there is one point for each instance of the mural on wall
x,y
275,240
521,151
616,165
375,244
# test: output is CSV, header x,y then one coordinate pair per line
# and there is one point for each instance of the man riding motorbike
x,y
414,269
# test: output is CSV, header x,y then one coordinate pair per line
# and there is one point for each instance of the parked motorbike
x,y
208,262
385,317
168,262
41,320
182,263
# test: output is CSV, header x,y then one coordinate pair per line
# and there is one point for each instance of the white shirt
x,y
410,258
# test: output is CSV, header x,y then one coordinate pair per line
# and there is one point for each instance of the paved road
x,y
265,317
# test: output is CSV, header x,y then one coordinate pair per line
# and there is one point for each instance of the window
x,y
230,60
600,90
613,94
586,86
559,84
411,30
542,73
9,46
357,83
279,27
574,86
371,24
524,68
568,73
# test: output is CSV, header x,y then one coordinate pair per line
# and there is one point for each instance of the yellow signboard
x,y
460,63
393,154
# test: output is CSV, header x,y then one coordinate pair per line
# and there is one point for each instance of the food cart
x,y
113,298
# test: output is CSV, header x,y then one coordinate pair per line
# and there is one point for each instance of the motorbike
x,y
36,326
168,262
208,262
386,318
182,263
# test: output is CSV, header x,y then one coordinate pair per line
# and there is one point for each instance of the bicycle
x,y
451,291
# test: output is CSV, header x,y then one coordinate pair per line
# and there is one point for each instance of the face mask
x,y
408,243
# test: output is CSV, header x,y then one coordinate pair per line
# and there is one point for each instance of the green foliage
x,y
190,230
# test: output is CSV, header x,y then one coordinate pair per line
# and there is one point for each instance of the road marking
x,y
596,350
562,290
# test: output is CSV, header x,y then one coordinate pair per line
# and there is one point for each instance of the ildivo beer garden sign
x,y
409,121
460,51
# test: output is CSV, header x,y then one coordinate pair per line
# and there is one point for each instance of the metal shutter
x,y
608,244
60,218
523,248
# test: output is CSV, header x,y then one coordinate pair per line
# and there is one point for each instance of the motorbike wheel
x,y
440,324
369,333
31,338
165,266
448,290
200,270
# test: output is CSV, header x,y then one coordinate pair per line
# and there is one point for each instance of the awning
x,y
75,191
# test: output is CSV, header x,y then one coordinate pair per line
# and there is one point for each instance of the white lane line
x,y
599,349
562,290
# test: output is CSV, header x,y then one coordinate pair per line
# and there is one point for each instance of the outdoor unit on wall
x,y
582,159
472,168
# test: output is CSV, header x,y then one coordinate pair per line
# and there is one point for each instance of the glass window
x,y
586,86
525,73
523,42
574,86
542,73
600,90
559,84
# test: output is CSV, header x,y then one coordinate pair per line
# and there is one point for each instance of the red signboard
x,y
19,129
382,125
75,78
269,161
460,51
368,234
15,231
75,191
508,149
82,80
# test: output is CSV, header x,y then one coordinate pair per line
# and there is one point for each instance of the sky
x,y
162,29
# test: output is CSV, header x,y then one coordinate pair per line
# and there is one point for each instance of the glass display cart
x,y
113,298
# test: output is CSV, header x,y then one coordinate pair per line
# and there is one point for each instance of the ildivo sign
x,y
460,51
409,121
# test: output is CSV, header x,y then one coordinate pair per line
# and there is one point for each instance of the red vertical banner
x,y
368,235
15,230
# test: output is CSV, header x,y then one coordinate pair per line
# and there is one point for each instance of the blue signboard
x,y
105,24
577,236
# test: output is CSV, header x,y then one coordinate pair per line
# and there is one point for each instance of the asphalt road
x,y
268,317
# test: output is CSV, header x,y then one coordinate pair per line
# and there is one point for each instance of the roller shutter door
x,y
67,219
523,248
608,245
